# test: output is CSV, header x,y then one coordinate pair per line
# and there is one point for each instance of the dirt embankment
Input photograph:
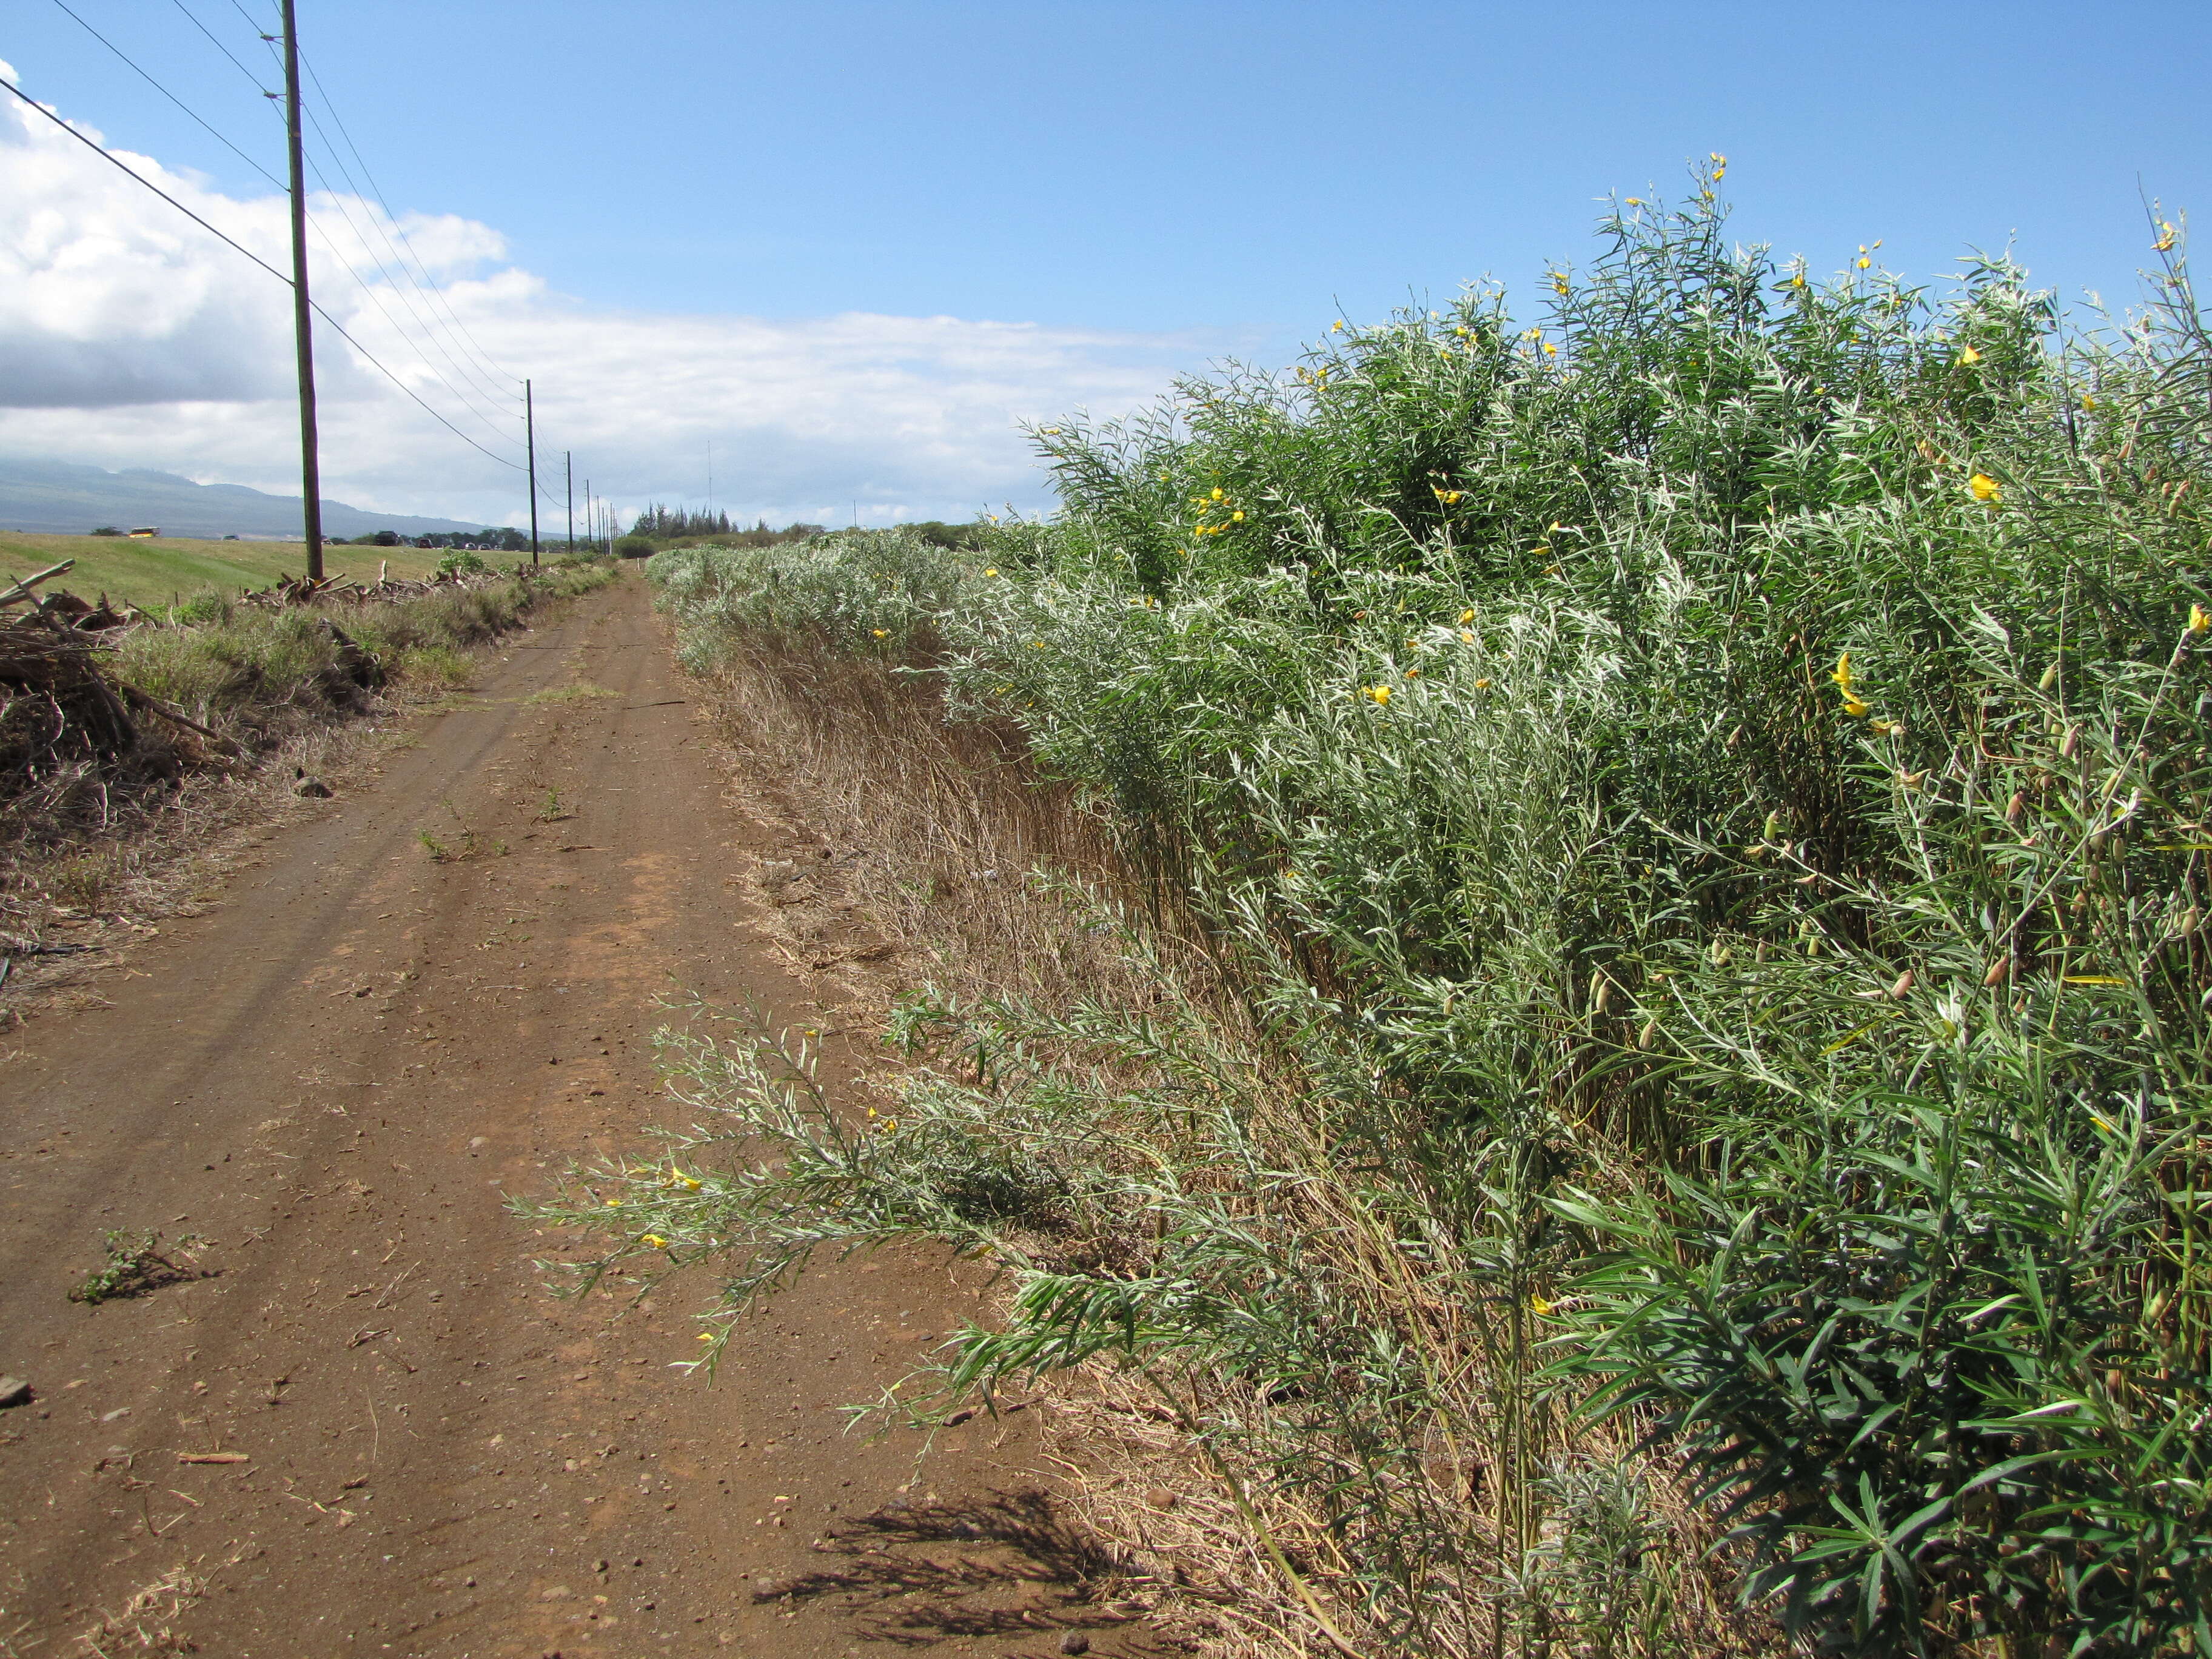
x,y
368,1428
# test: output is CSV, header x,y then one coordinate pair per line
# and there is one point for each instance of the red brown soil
x,y
337,1074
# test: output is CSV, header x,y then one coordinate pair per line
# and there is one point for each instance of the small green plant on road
x,y
136,1263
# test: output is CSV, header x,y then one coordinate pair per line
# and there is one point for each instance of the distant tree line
x,y
664,525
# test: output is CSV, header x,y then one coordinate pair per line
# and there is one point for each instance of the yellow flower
x,y
1413,673
1036,645
1968,356
1217,492
2165,243
1377,695
1466,637
1237,517
2199,620
1843,674
1886,728
2088,402
1986,488
992,571
1482,685
1550,350
1854,707
614,1204
1467,616
1448,497
653,1240
1461,332
1540,1307
706,1336
881,633
1865,263
1337,327
1052,431
692,1184
1558,285
1636,201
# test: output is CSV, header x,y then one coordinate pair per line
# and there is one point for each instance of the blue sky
x,y
1202,179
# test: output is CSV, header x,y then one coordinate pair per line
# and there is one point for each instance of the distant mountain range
x,y
58,498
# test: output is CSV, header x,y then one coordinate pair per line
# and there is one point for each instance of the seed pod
x,y
2050,678
2015,806
2073,741
1648,1036
1999,971
1904,984
2191,920
1600,993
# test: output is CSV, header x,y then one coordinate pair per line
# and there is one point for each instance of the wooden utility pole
x,y
311,471
569,485
530,433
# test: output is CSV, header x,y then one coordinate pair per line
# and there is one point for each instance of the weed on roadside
x,y
1697,805
466,843
136,1263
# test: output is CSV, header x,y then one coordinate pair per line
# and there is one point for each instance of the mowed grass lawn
x,y
163,568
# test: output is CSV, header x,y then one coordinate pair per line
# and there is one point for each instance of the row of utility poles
x,y
304,340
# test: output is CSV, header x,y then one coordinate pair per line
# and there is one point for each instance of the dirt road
x,y
337,1075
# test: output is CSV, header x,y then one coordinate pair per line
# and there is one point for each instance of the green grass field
x,y
153,572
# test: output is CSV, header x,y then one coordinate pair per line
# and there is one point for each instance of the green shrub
x,y
872,591
1704,793
634,547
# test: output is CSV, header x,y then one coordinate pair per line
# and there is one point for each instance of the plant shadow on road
x,y
1015,1567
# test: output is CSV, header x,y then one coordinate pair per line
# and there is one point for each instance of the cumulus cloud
x,y
129,337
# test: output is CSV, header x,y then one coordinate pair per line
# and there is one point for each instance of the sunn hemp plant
x,y
1696,1059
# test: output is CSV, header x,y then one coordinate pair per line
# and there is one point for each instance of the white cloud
x,y
129,337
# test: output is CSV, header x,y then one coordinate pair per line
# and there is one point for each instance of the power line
x,y
429,324
338,327
473,343
430,328
149,183
369,290
217,44
376,193
171,96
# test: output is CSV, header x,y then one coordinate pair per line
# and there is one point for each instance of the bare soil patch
x,y
373,1431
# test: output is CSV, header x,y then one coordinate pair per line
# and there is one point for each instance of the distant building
x,y
143,531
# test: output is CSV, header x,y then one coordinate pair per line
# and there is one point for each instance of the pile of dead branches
x,y
341,589
65,726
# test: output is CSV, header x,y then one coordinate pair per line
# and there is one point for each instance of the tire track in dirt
x,y
336,1075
